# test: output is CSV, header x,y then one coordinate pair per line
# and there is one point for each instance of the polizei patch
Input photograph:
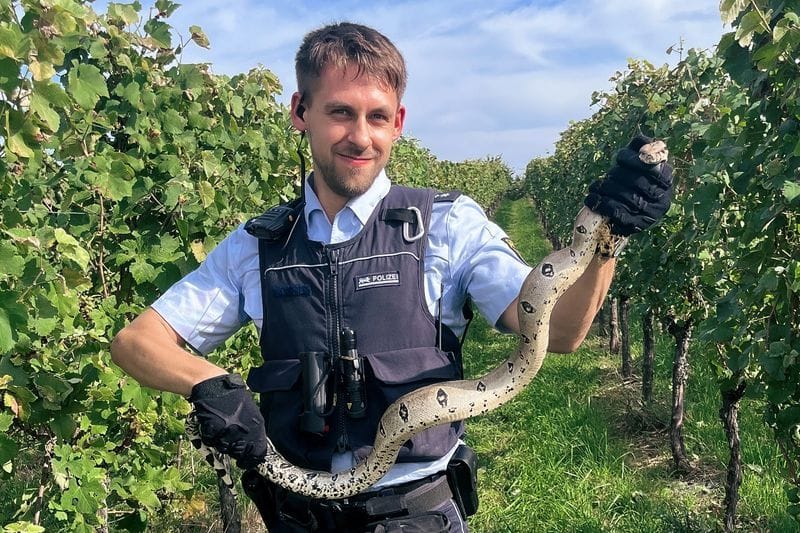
x,y
380,279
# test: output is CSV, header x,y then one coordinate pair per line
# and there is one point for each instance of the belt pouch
x,y
462,475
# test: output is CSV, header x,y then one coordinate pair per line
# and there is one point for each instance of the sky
x,y
486,78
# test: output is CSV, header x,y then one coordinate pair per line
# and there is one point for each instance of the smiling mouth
x,y
356,159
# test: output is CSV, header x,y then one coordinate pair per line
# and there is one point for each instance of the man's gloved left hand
x,y
634,194
229,420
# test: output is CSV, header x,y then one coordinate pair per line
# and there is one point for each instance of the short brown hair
x,y
346,44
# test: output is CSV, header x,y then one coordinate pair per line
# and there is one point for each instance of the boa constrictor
x,y
449,401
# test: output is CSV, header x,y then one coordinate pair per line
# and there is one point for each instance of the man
x,y
366,267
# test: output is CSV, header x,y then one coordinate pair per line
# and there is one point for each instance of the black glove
x,y
229,419
634,194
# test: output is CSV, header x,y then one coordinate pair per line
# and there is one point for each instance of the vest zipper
x,y
342,443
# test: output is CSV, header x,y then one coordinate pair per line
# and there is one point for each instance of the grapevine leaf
x,y
146,496
748,25
8,449
206,191
142,271
6,419
71,249
166,7
42,109
9,74
791,190
86,84
124,12
159,31
52,92
42,70
730,9
199,37
237,106
11,264
63,425
52,388
18,146
6,334
10,39
198,250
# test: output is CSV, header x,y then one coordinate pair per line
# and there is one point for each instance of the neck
x,y
331,202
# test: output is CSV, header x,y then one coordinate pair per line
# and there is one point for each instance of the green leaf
x,y
124,12
63,425
120,181
69,247
41,70
86,84
41,108
159,31
748,25
237,106
730,9
52,92
8,449
172,122
52,388
146,496
9,74
167,251
199,37
131,93
166,7
6,333
18,146
11,264
10,41
211,165
207,192
791,190
142,271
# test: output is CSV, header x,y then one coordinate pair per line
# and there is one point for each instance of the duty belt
x,y
412,497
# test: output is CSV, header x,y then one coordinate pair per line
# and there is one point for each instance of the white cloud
x,y
504,77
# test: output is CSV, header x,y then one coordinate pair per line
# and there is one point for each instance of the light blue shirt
x,y
465,254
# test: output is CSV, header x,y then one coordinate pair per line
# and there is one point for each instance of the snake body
x,y
450,401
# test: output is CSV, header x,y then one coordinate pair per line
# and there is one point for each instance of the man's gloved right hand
x,y
229,419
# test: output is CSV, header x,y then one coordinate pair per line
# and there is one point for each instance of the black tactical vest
x,y
374,285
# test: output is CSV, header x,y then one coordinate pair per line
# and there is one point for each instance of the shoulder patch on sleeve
x,y
450,196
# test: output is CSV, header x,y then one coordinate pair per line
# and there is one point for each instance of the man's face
x,y
351,123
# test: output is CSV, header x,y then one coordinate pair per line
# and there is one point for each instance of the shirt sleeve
x,y
482,263
207,305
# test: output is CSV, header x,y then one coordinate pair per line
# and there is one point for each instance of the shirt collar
x,y
362,206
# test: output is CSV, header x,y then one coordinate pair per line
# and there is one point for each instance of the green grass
x,y
577,452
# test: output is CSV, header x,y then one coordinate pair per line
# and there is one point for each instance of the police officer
x,y
394,265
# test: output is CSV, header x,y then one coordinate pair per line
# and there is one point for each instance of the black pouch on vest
x,y
462,475
276,222
432,522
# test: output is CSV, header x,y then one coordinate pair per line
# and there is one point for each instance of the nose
x,y
359,134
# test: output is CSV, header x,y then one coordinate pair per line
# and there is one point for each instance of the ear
x,y
399,120
298,109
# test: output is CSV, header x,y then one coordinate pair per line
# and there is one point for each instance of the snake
x,y
450,401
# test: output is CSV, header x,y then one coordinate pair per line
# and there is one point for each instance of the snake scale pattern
x,y
449,401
